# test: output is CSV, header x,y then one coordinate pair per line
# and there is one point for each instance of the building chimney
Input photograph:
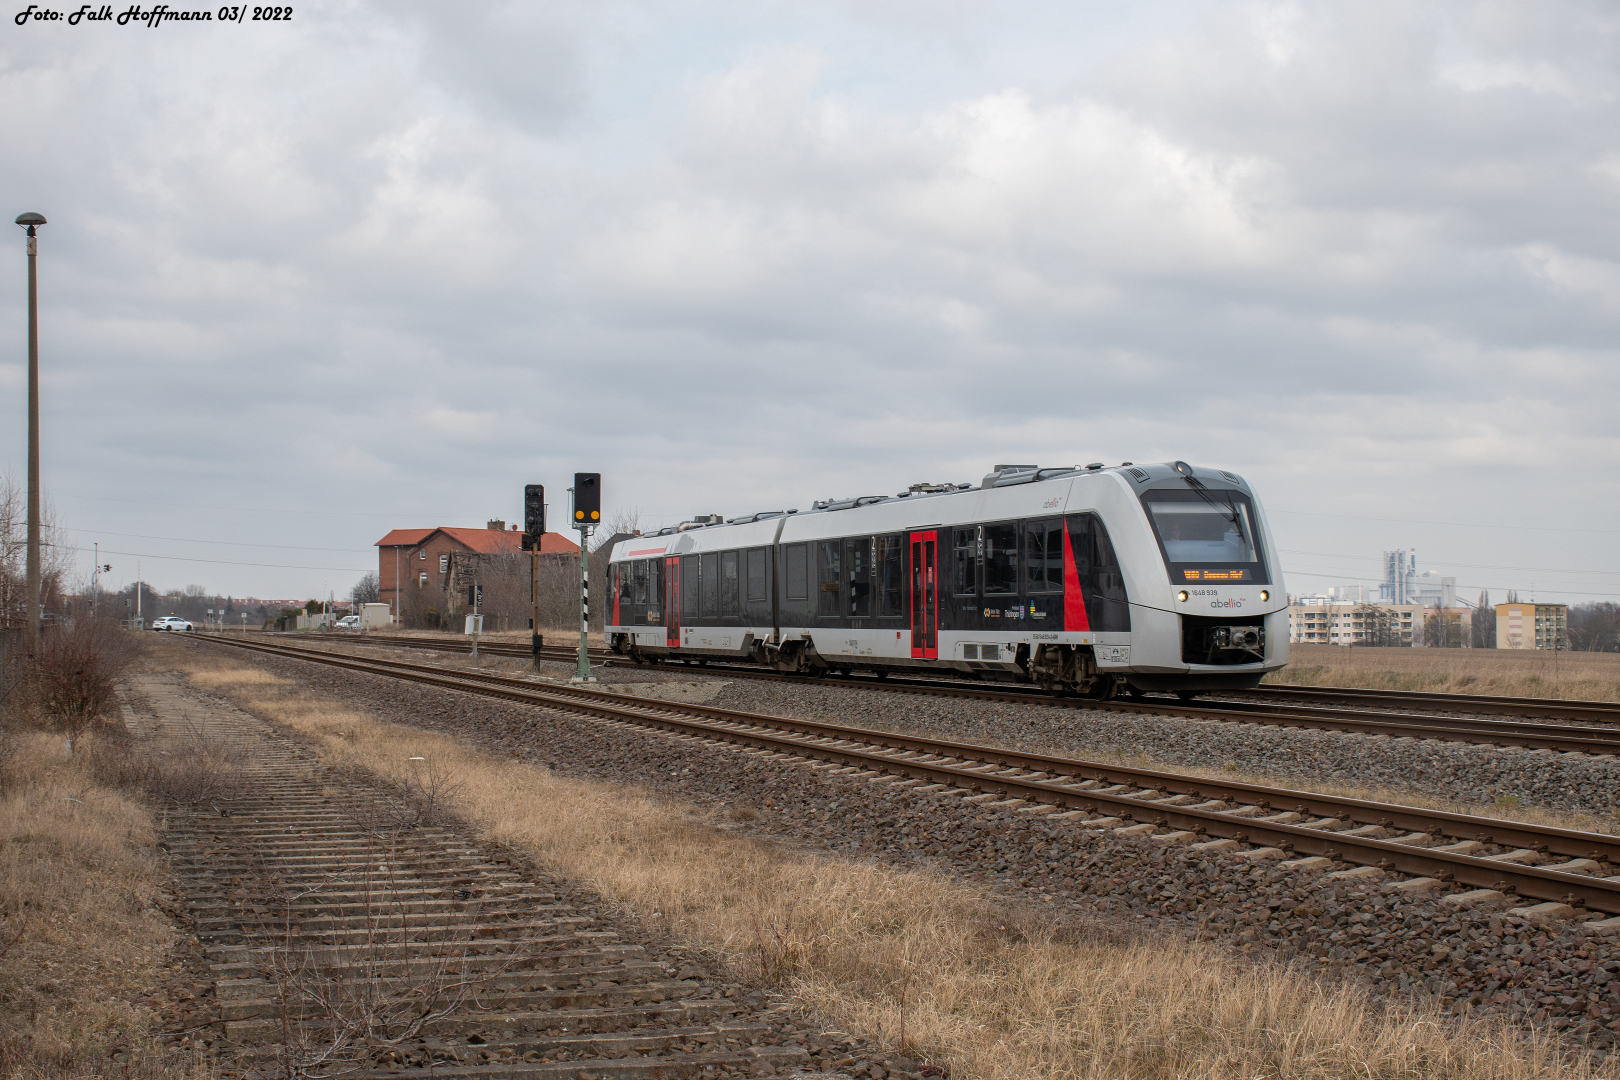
x,y
498,525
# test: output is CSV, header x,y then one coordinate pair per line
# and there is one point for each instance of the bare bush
x,y
344,1008
78,668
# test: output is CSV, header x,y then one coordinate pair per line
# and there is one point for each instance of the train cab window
x,y
1043,556
889,570
858,567
1001,558
965,561
756,574
728,583
709,585
795,561
689,588
829,577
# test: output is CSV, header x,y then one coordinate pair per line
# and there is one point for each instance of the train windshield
x,y
1206,535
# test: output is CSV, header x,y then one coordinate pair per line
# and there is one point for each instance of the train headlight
x,y
1182,596
1264,596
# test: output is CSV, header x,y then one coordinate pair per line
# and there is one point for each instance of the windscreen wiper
x,y
1231,510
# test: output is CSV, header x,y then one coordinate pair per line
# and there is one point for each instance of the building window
x,y
444,564
421,582
422,554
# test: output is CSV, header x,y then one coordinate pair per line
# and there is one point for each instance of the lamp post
x,y
31,223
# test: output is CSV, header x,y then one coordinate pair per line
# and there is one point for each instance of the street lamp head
x,y
29,220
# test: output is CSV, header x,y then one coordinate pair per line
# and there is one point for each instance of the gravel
x,y
1480,962
1579,782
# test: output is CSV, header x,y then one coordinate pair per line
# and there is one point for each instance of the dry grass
x,y
1506,672
80,938
1001,993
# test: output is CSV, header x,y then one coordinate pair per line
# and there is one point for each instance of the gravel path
x,y
1473,961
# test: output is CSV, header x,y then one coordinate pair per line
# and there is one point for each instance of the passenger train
x,y
1094,580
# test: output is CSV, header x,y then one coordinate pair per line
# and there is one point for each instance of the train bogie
x,y
1147,578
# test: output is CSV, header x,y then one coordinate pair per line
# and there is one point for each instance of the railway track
x,y
1471,859
1529,735
351,933
1597,712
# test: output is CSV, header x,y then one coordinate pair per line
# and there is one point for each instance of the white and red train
x,y
1091,580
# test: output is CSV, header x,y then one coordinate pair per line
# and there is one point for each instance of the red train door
x,y
924,595
672,602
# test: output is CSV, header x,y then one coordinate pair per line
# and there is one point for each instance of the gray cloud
x,y
384,265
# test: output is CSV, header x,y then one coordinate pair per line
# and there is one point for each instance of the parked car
x,y
171,622
348,622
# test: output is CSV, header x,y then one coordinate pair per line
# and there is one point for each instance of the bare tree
x,y
368,590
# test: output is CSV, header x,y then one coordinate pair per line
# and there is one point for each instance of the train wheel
x,y
1186,695
883,674
1136,692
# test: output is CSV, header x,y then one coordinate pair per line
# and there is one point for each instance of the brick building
x,y
414,565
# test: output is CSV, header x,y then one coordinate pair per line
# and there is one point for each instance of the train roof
x,y
1140,477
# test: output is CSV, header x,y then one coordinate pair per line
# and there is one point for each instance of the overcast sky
x,y
383,264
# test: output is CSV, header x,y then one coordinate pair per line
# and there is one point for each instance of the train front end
x,y
1210,607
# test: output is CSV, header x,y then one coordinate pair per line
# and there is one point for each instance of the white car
x,y
348,622
171,622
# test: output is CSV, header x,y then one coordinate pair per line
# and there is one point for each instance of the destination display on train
x,y
1216,575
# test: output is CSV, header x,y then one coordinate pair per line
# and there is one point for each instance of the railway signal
x,y
587,498
534,528
534,516
587,512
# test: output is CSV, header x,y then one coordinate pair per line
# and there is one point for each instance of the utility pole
x,y
30,223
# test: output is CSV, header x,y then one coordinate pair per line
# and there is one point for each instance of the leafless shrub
x,y
79,664
343,1008
190,769
421,794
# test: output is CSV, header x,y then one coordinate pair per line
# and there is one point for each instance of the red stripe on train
x,y
1074,603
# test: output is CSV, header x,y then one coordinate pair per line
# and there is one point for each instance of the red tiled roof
x,y
483,541
404,538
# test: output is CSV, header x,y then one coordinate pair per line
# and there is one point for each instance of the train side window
x,y
1001,558
728,583
638,583
829,575
797,570
756,574
965,561
858,562
709,585
890,568
1043,556
655,591
1101,582
689,588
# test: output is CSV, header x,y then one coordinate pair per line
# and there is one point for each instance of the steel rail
x,y
1573,708
1091,787
1524,734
